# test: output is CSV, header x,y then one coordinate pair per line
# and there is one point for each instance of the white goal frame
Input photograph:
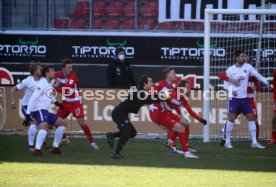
x,y
207,35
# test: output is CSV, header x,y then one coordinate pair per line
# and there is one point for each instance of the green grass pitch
x,y
148,164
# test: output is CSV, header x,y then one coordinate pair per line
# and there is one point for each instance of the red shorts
x,y
253,106
164,119
76,108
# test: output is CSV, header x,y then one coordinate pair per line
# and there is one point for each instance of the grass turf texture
x,y
148,163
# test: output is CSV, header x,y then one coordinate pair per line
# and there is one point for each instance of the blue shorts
x,y
44,116
24,110
241,105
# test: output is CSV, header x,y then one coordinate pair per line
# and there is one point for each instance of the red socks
x,y
172,135
88,134
273,134
184,139
183,142
64,136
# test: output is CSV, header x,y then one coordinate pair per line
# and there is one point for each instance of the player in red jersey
x,y
273,138
170,83
71,98
161,114
253,85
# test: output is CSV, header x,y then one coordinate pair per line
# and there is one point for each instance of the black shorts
x,y
120,118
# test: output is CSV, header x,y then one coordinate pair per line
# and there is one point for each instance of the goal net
x,y
227,31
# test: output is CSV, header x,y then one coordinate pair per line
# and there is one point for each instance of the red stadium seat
x,y
112,24
272,26
61,23
147,24
198,26
99,8
116,8
165,26
78,24
130,9
178,25
149,9
81,9
97,24
188,25
129,24
218,26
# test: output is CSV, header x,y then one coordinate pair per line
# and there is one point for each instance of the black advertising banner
x,y
99,49
187,51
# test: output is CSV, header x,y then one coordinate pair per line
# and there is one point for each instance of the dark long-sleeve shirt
x,y
120,74
132,104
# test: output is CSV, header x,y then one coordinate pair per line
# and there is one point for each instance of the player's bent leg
x,y
40,138
252,130
133,131
171,140
273,138
61,127
184,122
228,130
125,129
255,113
31,137
88,133
178,127
63,113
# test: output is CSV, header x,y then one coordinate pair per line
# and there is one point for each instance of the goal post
x,y
227,30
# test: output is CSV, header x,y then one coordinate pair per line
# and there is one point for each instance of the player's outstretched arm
x,y
13,97
223,76
22,85
258,75
178,110
193,114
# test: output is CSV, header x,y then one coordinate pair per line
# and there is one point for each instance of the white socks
x,y
252,131
58,135
228,129
41,135
31,134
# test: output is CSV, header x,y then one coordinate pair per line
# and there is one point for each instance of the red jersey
x,y
252,82
163,85
70,84
174,103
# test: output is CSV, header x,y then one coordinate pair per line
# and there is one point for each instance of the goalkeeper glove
x,y
203,121
27,120
59,105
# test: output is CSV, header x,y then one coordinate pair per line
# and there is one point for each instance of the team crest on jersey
x,y
126,121
71,81
245,71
